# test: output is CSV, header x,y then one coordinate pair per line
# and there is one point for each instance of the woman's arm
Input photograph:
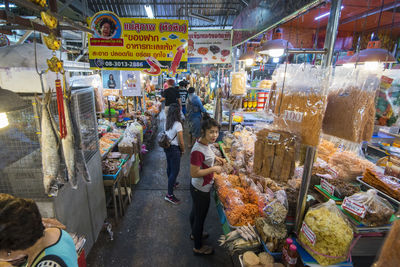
x,y
181,142
195,171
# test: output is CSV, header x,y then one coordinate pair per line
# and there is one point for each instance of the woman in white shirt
x,y
174,130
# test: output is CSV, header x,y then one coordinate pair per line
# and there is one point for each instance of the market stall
x,y
298,183
75,198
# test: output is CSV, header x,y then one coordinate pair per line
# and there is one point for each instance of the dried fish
x,y
49,146
68,146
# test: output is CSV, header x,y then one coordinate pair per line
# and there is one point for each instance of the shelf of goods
x,y
338,170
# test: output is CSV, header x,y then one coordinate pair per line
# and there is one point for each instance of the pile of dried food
x,y
247,197
240,148
326,234
113,162
368,208
387,184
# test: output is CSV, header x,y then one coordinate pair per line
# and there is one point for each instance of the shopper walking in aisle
x,y
194,109
202,172
174,131
170,95
25,242
183,93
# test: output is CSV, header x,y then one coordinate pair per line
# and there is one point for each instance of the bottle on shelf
x,y
245,103
292,256
285,250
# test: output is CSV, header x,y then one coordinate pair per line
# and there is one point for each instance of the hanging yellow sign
x,y
149,45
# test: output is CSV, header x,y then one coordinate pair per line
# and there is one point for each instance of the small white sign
x,y
327,186
308,233
295,116
131,85
354,207
274,136
112,98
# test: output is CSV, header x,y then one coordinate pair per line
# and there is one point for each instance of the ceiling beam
x,y
370,12
29,24
78,5
121,3
29,5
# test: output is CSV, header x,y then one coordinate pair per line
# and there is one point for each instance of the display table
x,y
120,189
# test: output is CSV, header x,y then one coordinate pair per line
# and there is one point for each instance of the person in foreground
x,y
174,131
25,242
202,170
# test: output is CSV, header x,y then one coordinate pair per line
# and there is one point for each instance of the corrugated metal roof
x,y
222,11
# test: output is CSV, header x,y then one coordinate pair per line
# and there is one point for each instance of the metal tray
x,y
359,178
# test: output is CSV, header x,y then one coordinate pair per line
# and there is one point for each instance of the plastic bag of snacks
x,y
238,83
326,234
350,111
368,208
275,153
301,102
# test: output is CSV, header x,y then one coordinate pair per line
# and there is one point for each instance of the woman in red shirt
x,y
202,170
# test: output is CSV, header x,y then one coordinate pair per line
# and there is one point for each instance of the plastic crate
x,y
277,255
112,176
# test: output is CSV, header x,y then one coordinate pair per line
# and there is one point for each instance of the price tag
x,y
112,98
308,233
327,186
274,136
354,207
295,116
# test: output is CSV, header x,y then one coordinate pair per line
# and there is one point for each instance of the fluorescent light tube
x,y
198,16
149,11
325,14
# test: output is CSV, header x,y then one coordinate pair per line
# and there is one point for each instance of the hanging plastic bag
x,y
238,83
350,112
326,234
301,102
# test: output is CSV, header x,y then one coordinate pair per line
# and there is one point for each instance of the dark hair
x,y
174,114
191,90
207,124
104,21
109,76
20,223
112,25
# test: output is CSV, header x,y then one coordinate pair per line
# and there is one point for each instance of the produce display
x,y
244,198
326,234
325,150
240,148
107,141
242,238
368,208
250,259
273,235
343,189
348,165
387,184
275,154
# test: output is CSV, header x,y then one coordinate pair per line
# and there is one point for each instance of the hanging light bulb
x,y
372,65
3,120
373,53
249,61
275,47
276,52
